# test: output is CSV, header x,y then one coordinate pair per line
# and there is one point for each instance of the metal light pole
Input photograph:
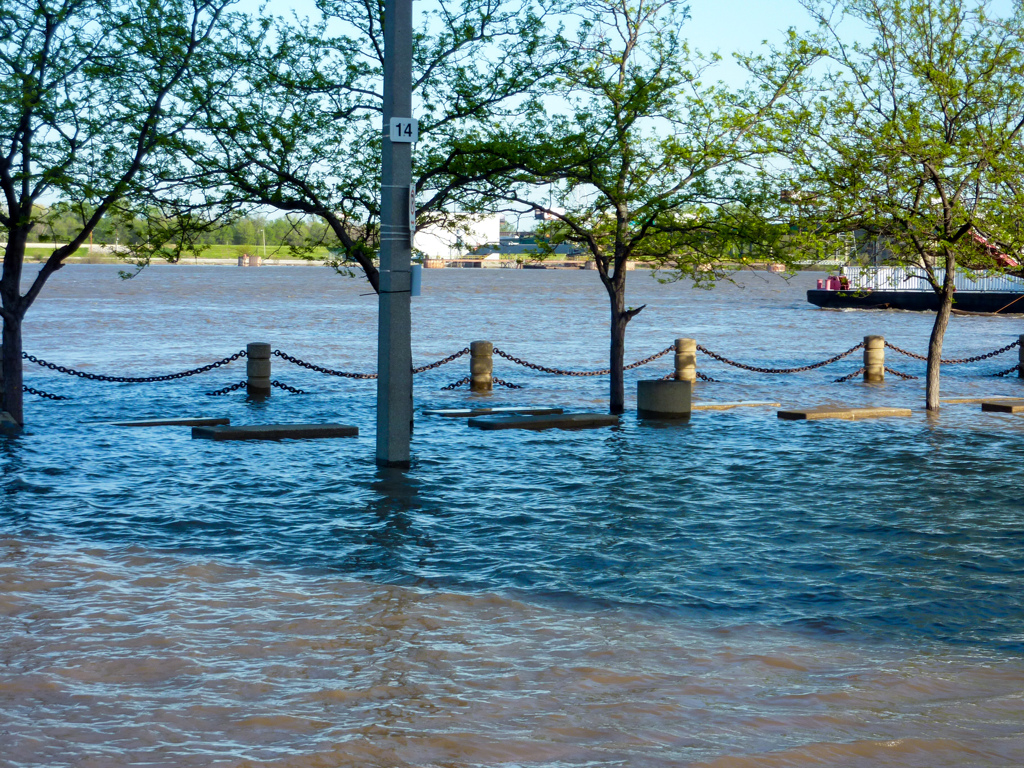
x,y
394,324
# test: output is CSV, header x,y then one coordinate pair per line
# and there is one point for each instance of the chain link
x,y
957,361
47,395
858,372
131,379
224,391
802,368
1008,371
903,376
321,369
441,362
293,390
504,383
561,372
456,384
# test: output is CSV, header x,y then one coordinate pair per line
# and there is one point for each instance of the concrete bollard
x,y
663,399
257,369
686,360
481,366
874,359
1020,357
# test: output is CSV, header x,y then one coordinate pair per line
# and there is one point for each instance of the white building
x,y
465,233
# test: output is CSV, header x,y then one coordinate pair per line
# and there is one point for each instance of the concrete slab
x,y
199,421
978,399
506,411
728,406
275,432
552,421
1003,406
842,412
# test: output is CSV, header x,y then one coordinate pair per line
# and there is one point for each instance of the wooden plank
x,y
1003,406
183,422
552,421
841,412
507,411
709,406
275,432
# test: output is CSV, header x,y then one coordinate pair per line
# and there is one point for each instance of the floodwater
x,y
733,591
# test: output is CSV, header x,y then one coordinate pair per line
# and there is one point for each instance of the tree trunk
x,y
938,333
12,376
619,319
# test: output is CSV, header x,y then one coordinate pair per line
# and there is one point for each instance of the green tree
x,y
93,115
914,137
301,130
644,161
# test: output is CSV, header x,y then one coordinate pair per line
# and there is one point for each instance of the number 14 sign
x,y
404,130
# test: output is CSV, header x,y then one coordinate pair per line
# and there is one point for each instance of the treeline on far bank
x,y
57,226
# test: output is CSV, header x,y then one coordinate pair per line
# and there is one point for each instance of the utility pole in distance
x,y
394,322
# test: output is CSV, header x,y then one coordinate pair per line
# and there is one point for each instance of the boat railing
x,y
915,279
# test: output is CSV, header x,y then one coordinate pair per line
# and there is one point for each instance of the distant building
x,y
456,240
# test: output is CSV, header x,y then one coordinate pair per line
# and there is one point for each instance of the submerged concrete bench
x,y
509,411
196,422
552,421
954,400
740,404
841,412
275,432
1003,406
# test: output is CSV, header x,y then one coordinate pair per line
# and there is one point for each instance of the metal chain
x,y
224,391
47,395
1008,371
802,368
439,363
903,376
321,369
957,361
504,383
131,379
703,377
561,372
293,390
858,372
456,384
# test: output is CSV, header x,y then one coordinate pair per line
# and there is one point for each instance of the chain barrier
x,y
40,393
443,361
903,376
286,388
704,377
321,369
858,372
956,361
224,391
801,369
456,384
1008,371
561,372
131,379
504,383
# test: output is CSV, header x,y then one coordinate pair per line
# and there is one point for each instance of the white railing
x,y
913,279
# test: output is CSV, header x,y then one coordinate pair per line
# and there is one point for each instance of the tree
x,y
93,115
301,130
644,161
914,137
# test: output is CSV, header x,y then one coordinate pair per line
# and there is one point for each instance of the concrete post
x,y
1020,357
686,360
257,369
481,366
394,318
874,359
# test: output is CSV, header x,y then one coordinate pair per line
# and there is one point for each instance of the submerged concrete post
x,y
874,359
481,366
686,360
257,369
1020,356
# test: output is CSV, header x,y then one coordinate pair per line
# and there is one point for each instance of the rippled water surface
x,y
732,591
